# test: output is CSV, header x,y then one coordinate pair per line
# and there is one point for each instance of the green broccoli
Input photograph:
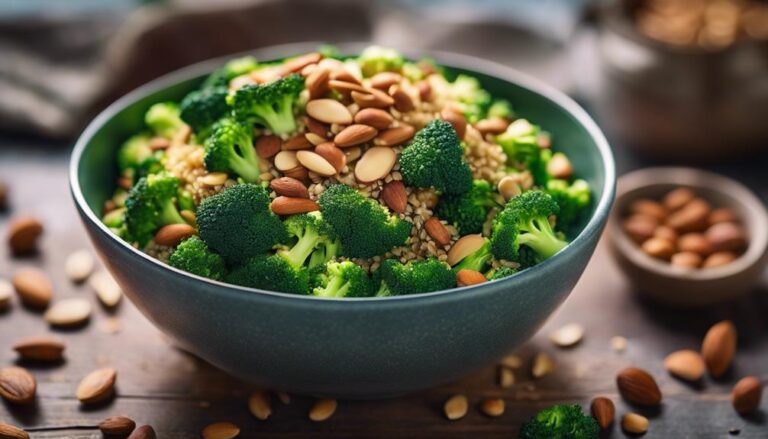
x,y
329,51
269,104
133,152
163,119
343,279
272,273
396,279
114,219
476,260
376,59
525,222
193,256
520,143
230,149
467,211
560,422
365,227
200,109
232,69
500,273
151,205
238,223
314,240
572,199
470,95
500,108
435,159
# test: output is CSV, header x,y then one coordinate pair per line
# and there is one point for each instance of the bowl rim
x,y
448,59
691,177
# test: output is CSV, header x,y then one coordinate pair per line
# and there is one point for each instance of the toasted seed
x,y
322,409
384,80
375,164
69,312
658,248
543,365
268,146
465,246
394,196
285,160
618,343
746,395
290,206
395,136
143,432
317,82
8,431
718,259
559,166
6,291
719,347
374,117
221,430
315,162
172,234
289,187
638,387
493,407
634,423
685,364
23,234
640,228
33,287
260,404
372,98
40,349
354,135
686,260
506,377
494,125
726,237
512,361
568,335
604,411
694,242
403,101
17,385
214,179
467,277
722,215
648,207
332,154
678,198
509,188
97,386
79,265
456,407
329,111
117,426
457,120
317,127
107,290
437,231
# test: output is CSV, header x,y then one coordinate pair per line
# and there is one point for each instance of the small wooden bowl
x,y
662,282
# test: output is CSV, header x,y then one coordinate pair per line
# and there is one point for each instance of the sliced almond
x,y
719,347
375,164
322,410
6,291
341,73
331,153
260,405
79,265
374,117
512,361
457,120
43,348
289,187
117,426
384,80
221,430
314,139
685,364
296,64
437,231
506,377
317,127
465,246
97,386
214,179
291,206
317,83
329,111
395,136
68,312
346,87
469,277
456,407
568,335
8,431
394,196
634,423
107,290
285,160
354,135
33,287
23,234
268,146
494,125
315,163
543,365
172,234
372,98
297,142
17,385
353,153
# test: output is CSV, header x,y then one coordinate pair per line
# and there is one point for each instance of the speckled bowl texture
x,y
353,348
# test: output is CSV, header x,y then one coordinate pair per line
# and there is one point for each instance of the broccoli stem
x,y
246,167
280,120
475,261
170,215
541,238
324,254
335,288
302,249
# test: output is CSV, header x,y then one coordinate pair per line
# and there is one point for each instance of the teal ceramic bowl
x,y
354,348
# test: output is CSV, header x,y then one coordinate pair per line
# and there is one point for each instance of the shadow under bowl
x,y
355,348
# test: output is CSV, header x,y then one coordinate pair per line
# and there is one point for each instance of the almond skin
x,y
332,154
143,432
354,135
469,277
374,117
268,146
289,187
40,349
457,120
117,426
17,385
437,231
23,234
685,364
394,196
746,395
317,83
317,127
33,287
8,431
290,206
604,411
403,102
638,387
172,234
719,347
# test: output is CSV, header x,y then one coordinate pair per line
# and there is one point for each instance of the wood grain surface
x,y
179,394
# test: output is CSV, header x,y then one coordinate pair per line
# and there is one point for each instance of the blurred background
x,y
669,80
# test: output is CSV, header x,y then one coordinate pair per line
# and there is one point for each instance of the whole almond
x,y
214,179
143,432
23,234
289,187
375,164
394,196
221,430
296,64
646,206
456,407
395,136
425,91
40,349
634,423
543,364
322,410
33,287
332,154
17,385
658,248
340,73
260,405
722,215
172,234
69,313
719,259
403,101
317,127
494,125
666,232
678,198
638,387
314,139
746,395
693,217
8,431
346,87
509,187
117,426
568,335
97,386
696,243
719,347
315,163
726,236
384,80
107,290
317,83
374,117
640,227
686,260
354,135
457,120
299,173
685,364
372,99
296,143
291,205
493,407
79,265
463,247
437,231
505,377
467,277
329,111
604,411
268,146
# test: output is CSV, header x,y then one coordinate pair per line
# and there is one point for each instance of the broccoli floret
x,y
500,108
573,199
272,273
365,228
134,152
314,240
151,165
525,222
329,51
163,119
151,205
269,104
230,149
435,159
560,422
239,224
477,260
343,279
232,69
500,273
115,218
520,143
200,109
473,100
467,211
376,59
193,256
415,277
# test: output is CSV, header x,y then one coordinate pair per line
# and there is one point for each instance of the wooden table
x,y
179,394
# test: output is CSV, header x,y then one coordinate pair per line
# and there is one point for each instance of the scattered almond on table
x,y
107,290
719,347
568,335
543,364
17,385
97,386
43,348
221,430
23,234
493,407
143,432
117,426
685,364
33,287
260,404
746,395
322,410
69,313
456,407
8,431
634,423
638,387
604,411
79,265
